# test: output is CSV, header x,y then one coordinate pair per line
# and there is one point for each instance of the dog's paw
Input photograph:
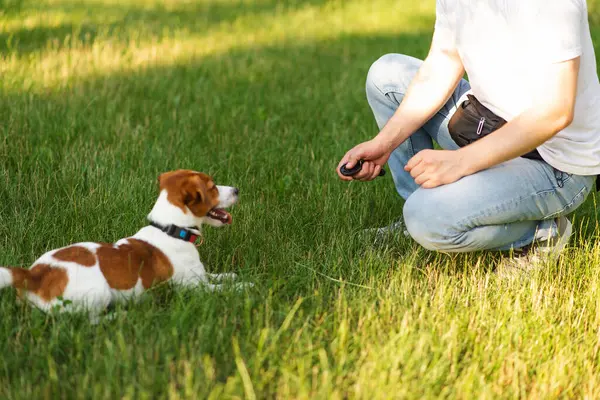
x,y
244,286
230,276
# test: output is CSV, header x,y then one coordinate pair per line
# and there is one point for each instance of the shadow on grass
x,y
122,21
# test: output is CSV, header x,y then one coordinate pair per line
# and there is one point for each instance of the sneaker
x,y
388,231
532,258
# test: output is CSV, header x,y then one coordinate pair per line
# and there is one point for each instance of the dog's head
x,y
197,195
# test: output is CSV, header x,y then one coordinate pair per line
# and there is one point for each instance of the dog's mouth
x,y
220,215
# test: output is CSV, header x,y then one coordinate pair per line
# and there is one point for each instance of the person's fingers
x,y
366,170
417,169
342,177
416,159
341,163
422,178
430,184
369,170
352,160
376,172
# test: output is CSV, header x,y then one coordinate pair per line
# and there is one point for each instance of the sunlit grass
x,y
129,36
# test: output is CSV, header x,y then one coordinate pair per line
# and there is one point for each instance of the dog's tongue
x,y
221,215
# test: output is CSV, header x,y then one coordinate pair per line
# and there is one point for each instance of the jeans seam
x,y
496,207
568,206
412,147
385,93
564,178
389,89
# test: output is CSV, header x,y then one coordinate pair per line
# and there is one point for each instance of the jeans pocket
x,y
561,178
571,191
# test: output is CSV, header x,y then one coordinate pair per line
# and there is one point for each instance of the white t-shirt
x,y
503,44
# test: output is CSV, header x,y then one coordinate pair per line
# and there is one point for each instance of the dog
x,y
93,276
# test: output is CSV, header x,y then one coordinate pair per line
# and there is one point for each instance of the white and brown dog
x,y
93,275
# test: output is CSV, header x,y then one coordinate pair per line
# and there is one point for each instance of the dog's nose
x,y
236,191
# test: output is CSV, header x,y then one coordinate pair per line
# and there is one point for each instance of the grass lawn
x,y
100,96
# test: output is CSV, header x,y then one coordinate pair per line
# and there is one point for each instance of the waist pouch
x,y
472,121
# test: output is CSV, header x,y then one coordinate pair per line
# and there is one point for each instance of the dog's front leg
x,y
230,276
197,281
201,280
194,277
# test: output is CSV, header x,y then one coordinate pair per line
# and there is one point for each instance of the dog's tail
x,y
20,278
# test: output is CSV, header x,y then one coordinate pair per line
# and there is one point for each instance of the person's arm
x,y
430,89
427,93
552,111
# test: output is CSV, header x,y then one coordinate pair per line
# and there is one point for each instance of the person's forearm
x,y
520,136
427,93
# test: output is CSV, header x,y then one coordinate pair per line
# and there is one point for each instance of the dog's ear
x,y
201,194
196,195
175,184
164,176
193,194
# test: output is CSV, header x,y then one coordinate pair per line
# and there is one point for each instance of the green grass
x,y
100,96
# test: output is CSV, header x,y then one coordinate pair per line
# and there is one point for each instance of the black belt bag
x,y
472,121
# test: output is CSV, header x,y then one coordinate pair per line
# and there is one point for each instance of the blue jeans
x,y
506,206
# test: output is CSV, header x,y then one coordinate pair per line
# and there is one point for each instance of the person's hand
x,y
374,154
433,168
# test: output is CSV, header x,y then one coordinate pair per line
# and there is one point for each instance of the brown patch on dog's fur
x,y
76,254
161,268
190,189
53,284
42,279
25,279
125,264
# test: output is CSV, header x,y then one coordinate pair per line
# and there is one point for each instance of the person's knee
x,y
428,225
419,223
392,72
